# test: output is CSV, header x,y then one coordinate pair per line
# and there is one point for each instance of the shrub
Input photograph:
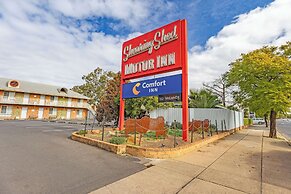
x,y
212,127
178,132
248,121
82,132
117,140
150,134
178,125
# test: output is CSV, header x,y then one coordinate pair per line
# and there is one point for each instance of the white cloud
x,y
40,41
259,27
35,46
130,11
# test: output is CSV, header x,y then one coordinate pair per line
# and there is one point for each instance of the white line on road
x,y
53,130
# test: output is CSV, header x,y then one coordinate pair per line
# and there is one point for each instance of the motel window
x,y
79,100
6,94
79,113
51,111
52,98
4,109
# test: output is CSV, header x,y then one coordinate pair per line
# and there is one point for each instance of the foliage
x,y
108,105
82,132
133,106
172,132
203,99
117,140
212,127
151,135
220,88
263,78
94,86
102,87
248,121
176,125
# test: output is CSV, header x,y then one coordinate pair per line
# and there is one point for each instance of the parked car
x,y
258,121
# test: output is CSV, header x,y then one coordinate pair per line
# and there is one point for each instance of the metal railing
x,y
58,103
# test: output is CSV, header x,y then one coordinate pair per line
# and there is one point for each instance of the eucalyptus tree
x,y
263,77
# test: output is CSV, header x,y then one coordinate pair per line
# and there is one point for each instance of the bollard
x,y
175,133
103,122
86,123
221,125
134,140
192,131
216,127
210,128
139,141
93,123
202,129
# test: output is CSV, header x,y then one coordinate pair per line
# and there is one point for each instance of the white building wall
x,y
233,119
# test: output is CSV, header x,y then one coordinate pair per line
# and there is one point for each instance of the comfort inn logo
x,y
134,89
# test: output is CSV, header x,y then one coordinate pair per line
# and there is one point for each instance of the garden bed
x,y
150,147
148,140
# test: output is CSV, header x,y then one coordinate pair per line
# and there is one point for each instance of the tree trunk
x,y
223,95
266,120
273,131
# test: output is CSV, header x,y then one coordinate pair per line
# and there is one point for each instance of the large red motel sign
x,y
159,51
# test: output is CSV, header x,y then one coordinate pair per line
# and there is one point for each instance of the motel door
x,y
25,100
68,113
69,102
40,113
23,112
42,98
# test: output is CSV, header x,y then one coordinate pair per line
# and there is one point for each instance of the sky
x,y
57,42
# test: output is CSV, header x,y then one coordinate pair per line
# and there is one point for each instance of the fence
x,y
203,124
226,119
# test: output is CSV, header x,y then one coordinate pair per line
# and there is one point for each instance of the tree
x,y
95,84
263,78
219,87
108,105
203,99
133,106
103,88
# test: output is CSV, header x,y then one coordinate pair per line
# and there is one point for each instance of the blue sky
x,y
56,42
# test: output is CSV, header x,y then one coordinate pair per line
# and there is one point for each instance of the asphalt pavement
x,y
284,127
39,157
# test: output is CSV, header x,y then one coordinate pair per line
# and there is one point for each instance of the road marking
x,y
53,130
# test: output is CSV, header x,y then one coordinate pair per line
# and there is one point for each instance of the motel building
x,y
27,100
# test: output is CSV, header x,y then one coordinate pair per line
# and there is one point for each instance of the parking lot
x,y
39,157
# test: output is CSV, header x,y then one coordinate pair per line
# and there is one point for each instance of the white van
x,y
258,121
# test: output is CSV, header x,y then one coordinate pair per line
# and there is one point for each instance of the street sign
x,y
170,97
155,52
159,51
153,87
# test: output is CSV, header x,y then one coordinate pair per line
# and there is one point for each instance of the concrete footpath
x,y
245,162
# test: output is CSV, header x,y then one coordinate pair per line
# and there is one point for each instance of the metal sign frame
x,y
159,51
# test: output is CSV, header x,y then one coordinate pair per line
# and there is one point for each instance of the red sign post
x,y
159,51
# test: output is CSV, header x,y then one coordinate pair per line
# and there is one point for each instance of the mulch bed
x,y
167,142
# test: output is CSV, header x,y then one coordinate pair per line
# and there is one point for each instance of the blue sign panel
x,y
153,87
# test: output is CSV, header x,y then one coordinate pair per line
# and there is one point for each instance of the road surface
x,y
38,157
284,127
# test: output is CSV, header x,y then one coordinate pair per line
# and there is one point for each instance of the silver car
x,y
258,121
